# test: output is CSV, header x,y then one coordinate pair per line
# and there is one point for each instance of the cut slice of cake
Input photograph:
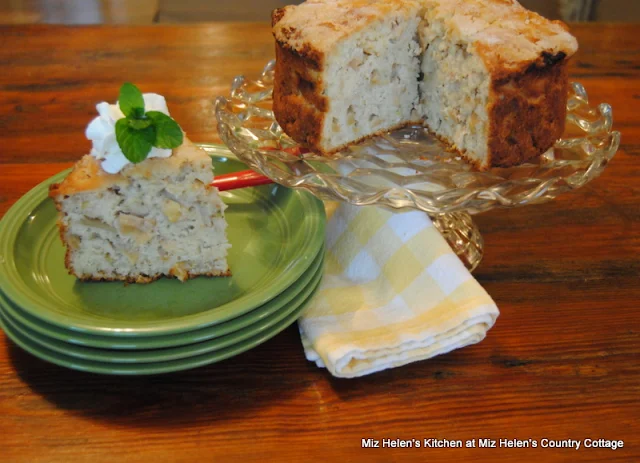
x,y
495,79
157,218
342,69
491,80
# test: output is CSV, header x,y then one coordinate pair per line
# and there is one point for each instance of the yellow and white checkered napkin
x,y
393,293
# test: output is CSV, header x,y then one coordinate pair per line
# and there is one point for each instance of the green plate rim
x,y
141,369
147,343
18,292
165,354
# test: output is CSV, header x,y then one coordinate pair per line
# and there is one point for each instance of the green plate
x,y
46,330
57,358
164,355
275,232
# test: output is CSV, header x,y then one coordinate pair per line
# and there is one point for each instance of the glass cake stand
x,y
409,168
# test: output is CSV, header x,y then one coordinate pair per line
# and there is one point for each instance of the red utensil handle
x,y
242,179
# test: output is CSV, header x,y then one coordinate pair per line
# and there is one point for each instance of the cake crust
x,y
144,279
298,103
527,113
316,26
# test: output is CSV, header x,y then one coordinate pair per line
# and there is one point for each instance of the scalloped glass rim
x,y
409,167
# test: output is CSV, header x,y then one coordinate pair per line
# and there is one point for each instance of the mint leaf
x,y
131,101
139,124
135,144
168,132
138,132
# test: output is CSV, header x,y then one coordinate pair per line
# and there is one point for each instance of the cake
x,y
142,221
342,70
486,76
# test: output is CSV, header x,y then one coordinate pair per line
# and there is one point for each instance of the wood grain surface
x,y
562,361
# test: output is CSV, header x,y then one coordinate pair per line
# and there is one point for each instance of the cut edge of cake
x,y
302,97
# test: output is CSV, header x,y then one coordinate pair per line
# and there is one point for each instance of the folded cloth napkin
x,y
393,293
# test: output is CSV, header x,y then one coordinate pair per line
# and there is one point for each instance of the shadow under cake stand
x,y
409,168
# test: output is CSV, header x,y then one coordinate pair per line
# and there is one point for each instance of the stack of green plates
x,y
277,238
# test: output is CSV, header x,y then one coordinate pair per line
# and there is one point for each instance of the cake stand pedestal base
x,y
462,234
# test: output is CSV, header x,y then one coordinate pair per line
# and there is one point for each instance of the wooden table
x,y
562,362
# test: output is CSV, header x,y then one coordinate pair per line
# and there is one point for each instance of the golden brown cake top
x,y
321,24
88,175
504,32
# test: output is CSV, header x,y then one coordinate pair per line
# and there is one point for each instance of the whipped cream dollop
x,y
102,133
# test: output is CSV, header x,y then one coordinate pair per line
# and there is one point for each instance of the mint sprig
x,y
139,131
